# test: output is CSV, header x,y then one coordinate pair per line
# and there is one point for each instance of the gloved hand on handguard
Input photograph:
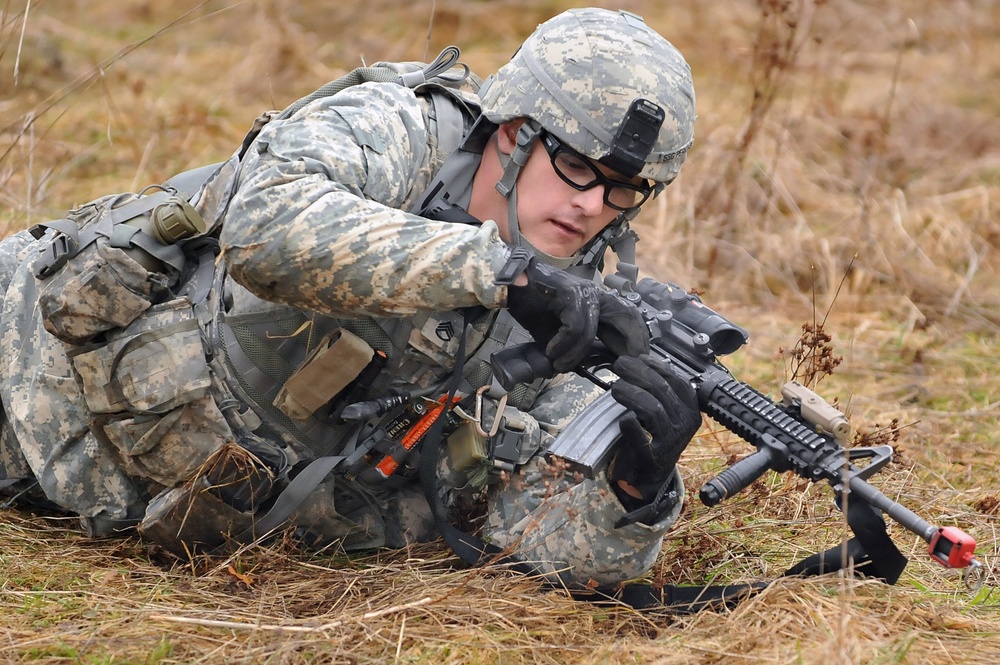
x,y
664,417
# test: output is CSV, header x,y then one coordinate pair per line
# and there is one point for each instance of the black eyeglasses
x,y
582,174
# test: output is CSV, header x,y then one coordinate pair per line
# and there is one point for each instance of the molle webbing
x,y
503,332
262,350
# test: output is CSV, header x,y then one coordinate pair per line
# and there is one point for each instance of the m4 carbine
x,y
803,434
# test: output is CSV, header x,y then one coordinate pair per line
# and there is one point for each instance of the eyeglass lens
x,y
582,174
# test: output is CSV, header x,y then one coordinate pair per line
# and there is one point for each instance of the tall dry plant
x,y
783,27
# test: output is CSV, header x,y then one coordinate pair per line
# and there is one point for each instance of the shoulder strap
x,y
449,125
382,73
409,76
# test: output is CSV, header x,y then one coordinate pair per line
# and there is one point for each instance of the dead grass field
x,y
846,169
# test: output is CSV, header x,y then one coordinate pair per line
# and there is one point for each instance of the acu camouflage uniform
x,y
314,225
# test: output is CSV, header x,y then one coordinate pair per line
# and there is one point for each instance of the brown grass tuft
x,y
845,172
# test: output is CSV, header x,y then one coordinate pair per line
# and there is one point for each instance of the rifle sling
x,y
871,551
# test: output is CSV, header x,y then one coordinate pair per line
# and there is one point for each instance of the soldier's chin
x,y
561,248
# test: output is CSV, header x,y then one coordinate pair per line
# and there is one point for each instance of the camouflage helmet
x,y
605,84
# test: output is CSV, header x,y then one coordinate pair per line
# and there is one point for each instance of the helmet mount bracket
x,y
635,138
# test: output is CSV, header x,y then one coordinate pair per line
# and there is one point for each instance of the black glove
x,y
620,326
665,406
565,313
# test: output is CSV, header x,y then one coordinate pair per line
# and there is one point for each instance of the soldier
x,y
377,245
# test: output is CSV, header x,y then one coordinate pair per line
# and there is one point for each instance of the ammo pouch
x,y
150,393
109,260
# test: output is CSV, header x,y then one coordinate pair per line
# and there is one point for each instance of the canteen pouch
x,y
109,261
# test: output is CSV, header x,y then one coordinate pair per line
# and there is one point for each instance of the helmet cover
x,y
585,75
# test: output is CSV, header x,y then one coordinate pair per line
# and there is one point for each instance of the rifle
x,y
803,434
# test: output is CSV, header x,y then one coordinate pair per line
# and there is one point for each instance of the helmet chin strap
x,y
512,164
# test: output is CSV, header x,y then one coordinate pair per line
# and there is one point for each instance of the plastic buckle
x,y
652,512
516,264
505,448
54,256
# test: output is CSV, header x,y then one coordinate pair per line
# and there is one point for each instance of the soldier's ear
x,y
507,135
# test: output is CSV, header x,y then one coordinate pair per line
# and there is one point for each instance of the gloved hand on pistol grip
x,y
665,416
567,313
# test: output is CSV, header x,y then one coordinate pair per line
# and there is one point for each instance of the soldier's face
x,y
553,216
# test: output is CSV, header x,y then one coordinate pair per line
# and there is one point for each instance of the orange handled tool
x,y
388,465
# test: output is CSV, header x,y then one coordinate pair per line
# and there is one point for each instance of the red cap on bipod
x,y
952,548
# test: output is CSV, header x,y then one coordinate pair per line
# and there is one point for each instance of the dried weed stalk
x,y
812,357
783,27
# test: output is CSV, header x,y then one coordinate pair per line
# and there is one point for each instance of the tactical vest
x,y
266,346
269,349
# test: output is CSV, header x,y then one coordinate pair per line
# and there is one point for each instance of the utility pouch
x,y
153,366
150,392
497,437
170,448
467,447
330,368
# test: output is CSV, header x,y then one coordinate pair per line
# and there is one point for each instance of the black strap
x,y
871,552
688,599
469,548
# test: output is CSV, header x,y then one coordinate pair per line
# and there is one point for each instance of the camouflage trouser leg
x,y
562,526
15,474
48,416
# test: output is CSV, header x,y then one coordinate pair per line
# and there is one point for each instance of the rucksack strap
x,y
187,183
379,74
437,69
676,599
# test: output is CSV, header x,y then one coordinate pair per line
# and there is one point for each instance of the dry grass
x,y
847,168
